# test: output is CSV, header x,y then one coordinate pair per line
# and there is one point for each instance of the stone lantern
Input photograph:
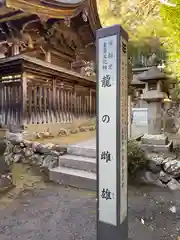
x,y
138,88
154,95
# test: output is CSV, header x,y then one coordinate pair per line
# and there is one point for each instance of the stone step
x,y
82,151
78,162
73,177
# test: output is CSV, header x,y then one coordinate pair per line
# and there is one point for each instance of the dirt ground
x,y
24,178
36,210
39,210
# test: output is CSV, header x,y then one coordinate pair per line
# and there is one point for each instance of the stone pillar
x,y
154,118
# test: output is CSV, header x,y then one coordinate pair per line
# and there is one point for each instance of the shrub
x,y
136,158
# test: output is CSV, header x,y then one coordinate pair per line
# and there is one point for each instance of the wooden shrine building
x,y
47,59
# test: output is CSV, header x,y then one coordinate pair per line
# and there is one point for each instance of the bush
x,y
136,158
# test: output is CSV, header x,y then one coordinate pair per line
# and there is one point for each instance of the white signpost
x,y
112,133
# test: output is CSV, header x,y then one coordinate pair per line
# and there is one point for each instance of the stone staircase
x,y
78,167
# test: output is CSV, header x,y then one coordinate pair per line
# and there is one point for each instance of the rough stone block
x,y
15,138
74,131
4,168
164,177
3,132
64,132
5,182
172,167
174,184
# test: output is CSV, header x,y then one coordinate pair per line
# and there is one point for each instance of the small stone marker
x,y
112,133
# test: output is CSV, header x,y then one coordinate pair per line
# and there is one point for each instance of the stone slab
x,y
78,162
72,177
154,139
91,143
157,148
86,148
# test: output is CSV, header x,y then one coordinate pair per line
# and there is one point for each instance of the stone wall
x,y
5,170
45,156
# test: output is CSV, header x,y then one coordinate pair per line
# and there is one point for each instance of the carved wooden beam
x,y
85,34
85,15
3,49
67,21
79,64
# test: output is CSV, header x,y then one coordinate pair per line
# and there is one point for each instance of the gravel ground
x,y
59,213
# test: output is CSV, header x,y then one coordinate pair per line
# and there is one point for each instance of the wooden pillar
x,y
48,57
15,49
23,114
90,102
54,107
54,93
93,103
74,102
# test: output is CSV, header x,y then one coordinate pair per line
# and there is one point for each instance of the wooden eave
x,y
37,7
15,9
8,14
38,66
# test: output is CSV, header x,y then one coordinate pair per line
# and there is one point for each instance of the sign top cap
x,y
112,30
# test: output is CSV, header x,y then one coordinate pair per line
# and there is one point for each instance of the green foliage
x,y
175,92
140,18
136,158
152,26
171,20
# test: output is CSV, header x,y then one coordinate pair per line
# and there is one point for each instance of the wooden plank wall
x,y
10,100
53,100
47,100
